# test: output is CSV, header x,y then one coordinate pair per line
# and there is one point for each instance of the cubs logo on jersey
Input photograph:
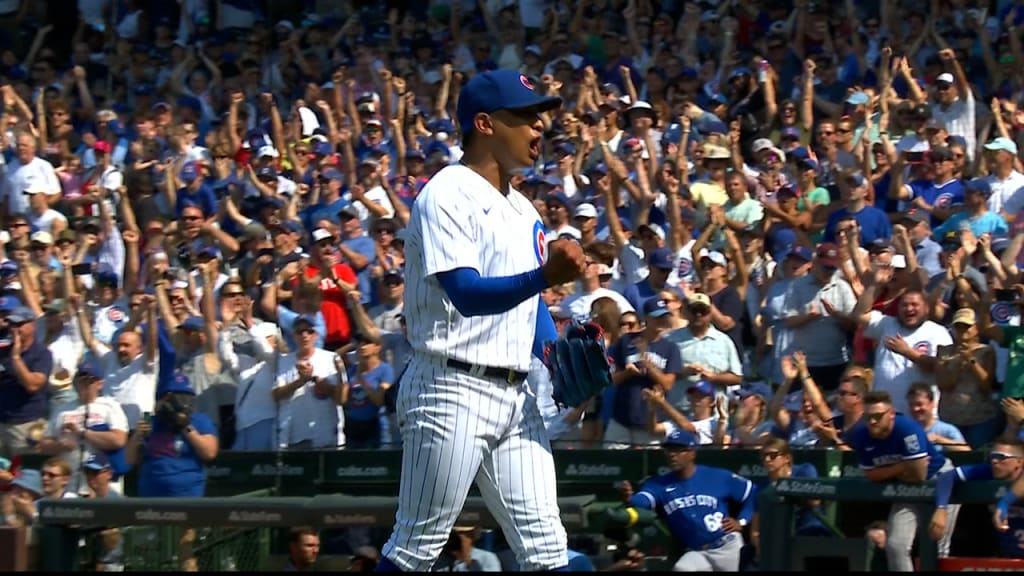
x,y
540,245
685,267
1002,312
115,315
923,347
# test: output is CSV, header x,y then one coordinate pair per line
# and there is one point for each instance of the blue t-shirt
x,y
908,441
874,224
945,196
638,293
695,507
17,406
806,521
360,408
366,247
630,409
204,197
313,214
170,467
1011,544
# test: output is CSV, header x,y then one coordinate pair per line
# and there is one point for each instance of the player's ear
x,y
483,124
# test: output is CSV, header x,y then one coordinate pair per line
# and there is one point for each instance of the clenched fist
x,y
566,261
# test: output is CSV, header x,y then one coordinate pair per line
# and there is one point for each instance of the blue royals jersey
x,y
907,441
694,508
1011,542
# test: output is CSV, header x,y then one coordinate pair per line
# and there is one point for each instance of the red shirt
x,y
334,306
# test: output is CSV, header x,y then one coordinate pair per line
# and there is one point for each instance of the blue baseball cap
x,y
755,389
189,172
290,226
661,258
801,252
20,315
858,98
193,323
30,480
8,268
702,387
980,185
179,383
9,303
304,318
681,438
97,463
789,132
500,90
89,368
321,148
655,307
794,401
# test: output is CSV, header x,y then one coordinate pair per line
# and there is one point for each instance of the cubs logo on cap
x,y
526,81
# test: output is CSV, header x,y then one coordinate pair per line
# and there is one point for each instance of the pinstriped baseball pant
x,y
458,428
903,523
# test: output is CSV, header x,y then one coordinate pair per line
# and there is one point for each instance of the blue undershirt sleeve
x,y
546,331
944,488
473,295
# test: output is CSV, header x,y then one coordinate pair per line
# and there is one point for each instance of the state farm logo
x,y
593,470
63,513
272,470
801,488
904,491
349,519
258,516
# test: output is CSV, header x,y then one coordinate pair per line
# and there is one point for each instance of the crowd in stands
x,y
785,204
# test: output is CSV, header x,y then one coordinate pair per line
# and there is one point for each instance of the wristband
x,y
633,517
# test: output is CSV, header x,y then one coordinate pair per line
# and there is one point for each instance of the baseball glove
x,y
578,364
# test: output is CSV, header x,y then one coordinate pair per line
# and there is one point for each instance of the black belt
x,y
507,374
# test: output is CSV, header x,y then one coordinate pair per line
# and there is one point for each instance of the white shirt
x,y
44,222
104,410
377,195
132,385
579,303
895,373
254,401
320,420
67,348
959,119
461,221
21,177
1005,193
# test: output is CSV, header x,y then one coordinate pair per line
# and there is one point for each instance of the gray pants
x,y
903,523
725,558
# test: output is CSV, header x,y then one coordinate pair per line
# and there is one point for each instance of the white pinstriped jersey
x,y
460,221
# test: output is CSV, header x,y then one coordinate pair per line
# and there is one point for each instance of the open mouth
x,y
535,148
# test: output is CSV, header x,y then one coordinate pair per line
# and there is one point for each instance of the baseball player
x,y
893,447
1005,462
476,262
694,501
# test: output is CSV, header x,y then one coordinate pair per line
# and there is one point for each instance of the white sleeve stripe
x,y
746,493
649,496
960,474
917,456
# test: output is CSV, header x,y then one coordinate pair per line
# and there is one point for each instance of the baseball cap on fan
x,y
500,90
